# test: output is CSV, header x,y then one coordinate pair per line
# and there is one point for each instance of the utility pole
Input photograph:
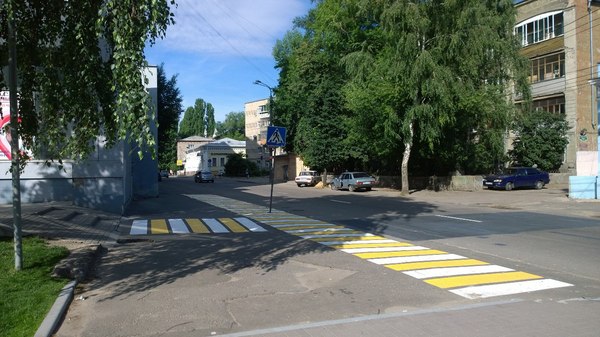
x,y
14,134
271,150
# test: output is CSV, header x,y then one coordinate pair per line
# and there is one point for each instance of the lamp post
x,y
271,150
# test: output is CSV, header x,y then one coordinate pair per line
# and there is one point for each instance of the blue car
x,y
517,177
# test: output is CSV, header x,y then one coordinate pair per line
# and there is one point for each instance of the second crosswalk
x,y
194,225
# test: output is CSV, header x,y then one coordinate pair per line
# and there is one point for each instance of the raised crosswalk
x,y
461,275
194,225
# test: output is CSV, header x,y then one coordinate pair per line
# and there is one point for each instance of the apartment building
x,y
561,38
257,116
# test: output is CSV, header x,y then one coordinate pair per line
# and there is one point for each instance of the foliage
x,y
27,295
169,108
308,101
196,120
238,166
234,126
541,139
416,77
79,72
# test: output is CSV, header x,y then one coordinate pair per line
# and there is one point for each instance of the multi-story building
x,y
561,40
257,116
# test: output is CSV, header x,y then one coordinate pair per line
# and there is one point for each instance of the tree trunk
x,y
405,158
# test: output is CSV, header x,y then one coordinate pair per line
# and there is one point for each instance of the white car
x,y
307,178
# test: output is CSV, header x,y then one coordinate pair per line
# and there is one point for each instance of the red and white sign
x,y
4,122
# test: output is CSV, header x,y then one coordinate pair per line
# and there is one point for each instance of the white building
x,y
213,156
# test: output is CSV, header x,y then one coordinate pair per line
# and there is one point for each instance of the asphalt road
x,y
274,283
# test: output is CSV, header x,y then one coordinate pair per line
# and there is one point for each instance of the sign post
x,y
275,138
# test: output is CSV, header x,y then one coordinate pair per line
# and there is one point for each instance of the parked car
x,y
307,178
516,177
353,181
204,176
164,174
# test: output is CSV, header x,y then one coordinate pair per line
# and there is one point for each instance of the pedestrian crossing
x,y
194,225
460,275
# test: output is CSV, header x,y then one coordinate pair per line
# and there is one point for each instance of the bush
x,y
541,140
237,166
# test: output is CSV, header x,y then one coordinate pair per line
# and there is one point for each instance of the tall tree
x,y
78,69
233,126
416,70
210,120
193,122
169,110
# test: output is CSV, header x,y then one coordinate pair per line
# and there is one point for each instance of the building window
x,y
547,67
555,105
540,28
222,161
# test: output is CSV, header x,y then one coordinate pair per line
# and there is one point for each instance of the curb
x,y
51,322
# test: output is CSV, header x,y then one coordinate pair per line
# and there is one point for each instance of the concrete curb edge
x,y
51,322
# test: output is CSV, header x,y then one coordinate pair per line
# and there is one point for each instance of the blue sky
x,y
218,48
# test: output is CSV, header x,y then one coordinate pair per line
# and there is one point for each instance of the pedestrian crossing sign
x,y
276,136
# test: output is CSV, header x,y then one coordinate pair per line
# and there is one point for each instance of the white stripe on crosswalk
x,y
381,249
253,227
139,227
178,226
421,258
501,289
443,272
215,226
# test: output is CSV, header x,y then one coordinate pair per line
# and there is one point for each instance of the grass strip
x,y
26,296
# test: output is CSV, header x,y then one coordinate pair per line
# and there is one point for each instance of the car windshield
x,y
511,171
361,175
304,173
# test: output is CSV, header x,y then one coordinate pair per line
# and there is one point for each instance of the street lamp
x,y
258,82
271,151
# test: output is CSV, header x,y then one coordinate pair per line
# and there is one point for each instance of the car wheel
x,y
299,185
539,185
332,186
368,188
351,188
509,186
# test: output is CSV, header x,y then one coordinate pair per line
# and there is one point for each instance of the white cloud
x,y
232,27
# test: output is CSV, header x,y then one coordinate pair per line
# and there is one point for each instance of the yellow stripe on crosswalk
x,y
372,245
377,255
197,226
435,264
470,280
233,225
339,233
159,226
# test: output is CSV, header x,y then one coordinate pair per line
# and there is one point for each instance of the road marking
x,y
434,264
453,271
456,218
197,226
205,226
340,201
381,249
508,288
250,225
397,260
232,225
178,226
469,278
158,226
139,227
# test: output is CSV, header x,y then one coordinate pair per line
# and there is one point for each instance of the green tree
x,y
415,70
79,69
169,109
211,125
541,139
193,123
233,126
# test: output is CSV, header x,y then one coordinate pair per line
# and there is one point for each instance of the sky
x,y
218,48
